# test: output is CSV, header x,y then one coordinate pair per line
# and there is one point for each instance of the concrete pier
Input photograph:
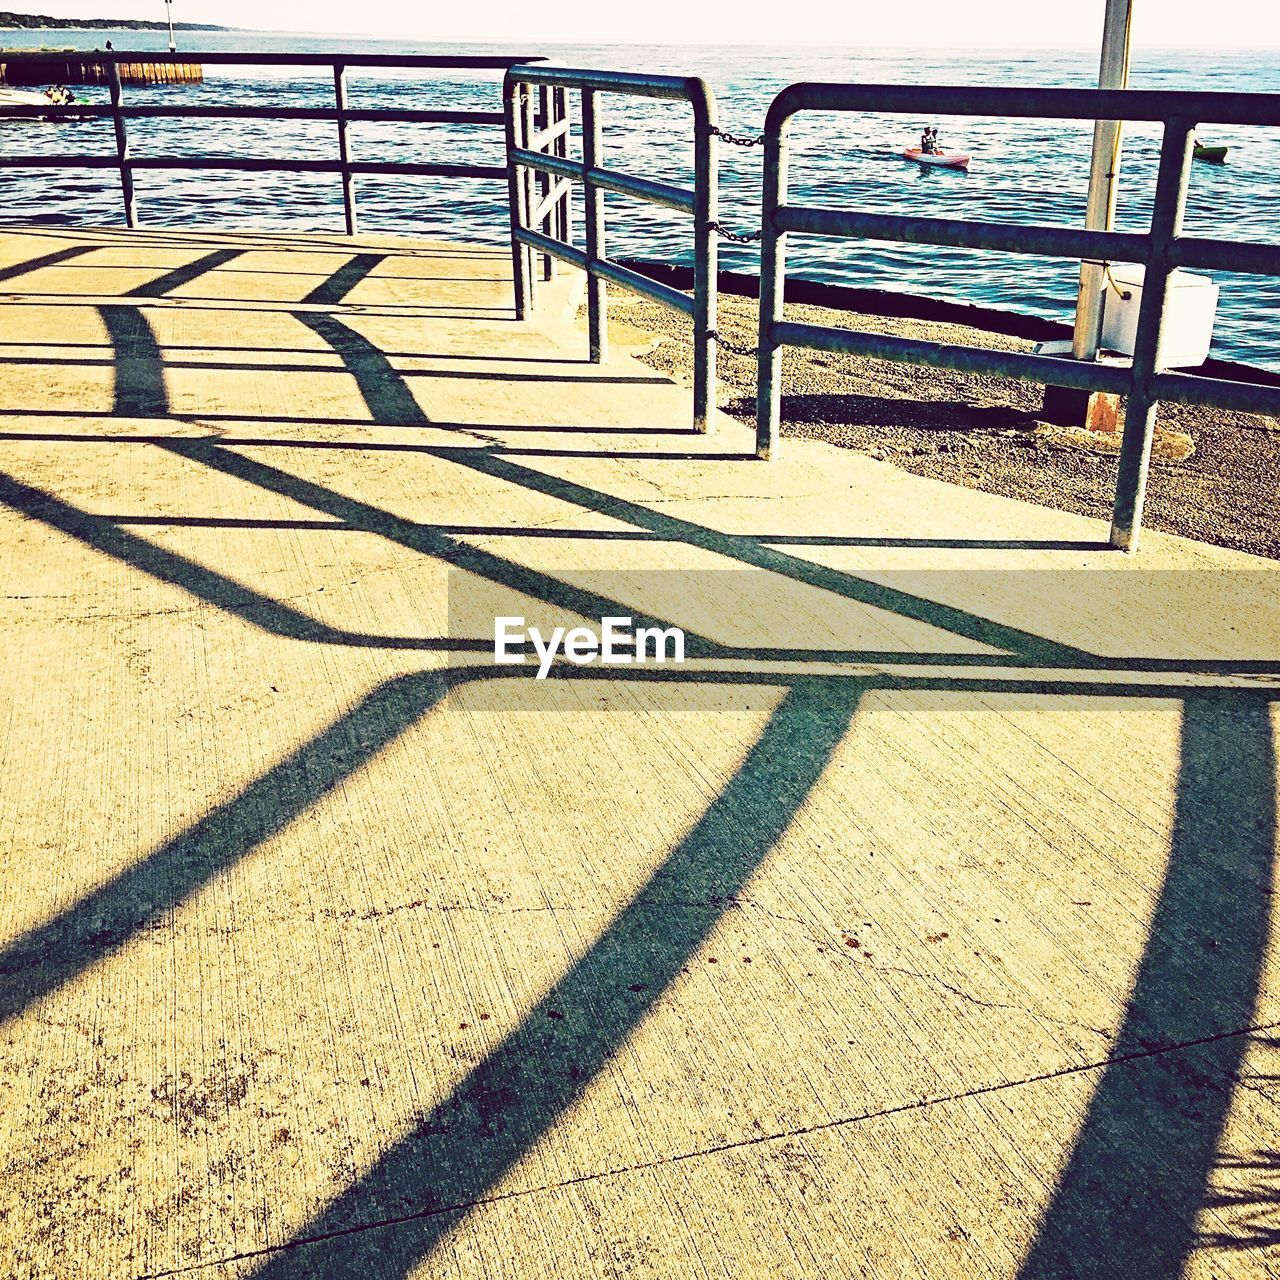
x,y
921,924
84,68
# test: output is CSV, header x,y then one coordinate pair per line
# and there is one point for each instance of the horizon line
x,y
1068,46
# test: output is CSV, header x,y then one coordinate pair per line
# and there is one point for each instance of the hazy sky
x,y
1157,23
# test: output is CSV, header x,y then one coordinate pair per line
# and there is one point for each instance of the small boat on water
x,y
10,97
1210,155
941,159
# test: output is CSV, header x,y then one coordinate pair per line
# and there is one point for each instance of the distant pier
x,y
89,68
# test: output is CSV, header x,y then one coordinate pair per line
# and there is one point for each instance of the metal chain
x,y
722,341
726,234
734,140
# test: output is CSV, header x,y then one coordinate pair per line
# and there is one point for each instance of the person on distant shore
x,y
109,46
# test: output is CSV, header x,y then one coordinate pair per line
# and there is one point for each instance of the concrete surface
x,y
920,925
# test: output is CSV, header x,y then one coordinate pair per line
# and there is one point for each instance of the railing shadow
x,y
386,393
1138,1174
54,259
197,580
893,411
418,1187
175,279
1253,1209
48,956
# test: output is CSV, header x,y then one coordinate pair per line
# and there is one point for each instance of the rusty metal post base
x,y
1073,407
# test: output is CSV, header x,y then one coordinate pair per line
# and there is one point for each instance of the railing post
x,y
593,217
1140,408
122,145
512,92
773,271
344,147
705,256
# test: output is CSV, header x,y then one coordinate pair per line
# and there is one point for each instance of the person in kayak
x,y
929,141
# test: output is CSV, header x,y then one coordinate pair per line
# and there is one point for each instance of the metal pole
x,y
1140,409
122,145
1104,168
705,258
512,92
168,8
593,217
344,147
773,270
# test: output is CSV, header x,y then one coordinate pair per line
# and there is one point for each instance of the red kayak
x,y
944,159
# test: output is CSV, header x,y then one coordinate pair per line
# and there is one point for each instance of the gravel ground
x,y
983,432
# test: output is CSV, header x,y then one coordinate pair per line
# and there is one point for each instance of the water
x,y
1023,171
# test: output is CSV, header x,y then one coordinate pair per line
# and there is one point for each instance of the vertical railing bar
x,y
773,269
565,207
122,145
529,191
512,91
593,218
344,147
544,182
1140,407
705,256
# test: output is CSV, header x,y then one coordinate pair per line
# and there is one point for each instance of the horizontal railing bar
x,y
1217,393
661,193
58,162
609,270
559,189
561,166
608,81
1050,370
413,116
1053,242
1226,255
1201,106
330,114
543,136
258,164
556,248
654,192
225,58
637,283
426,169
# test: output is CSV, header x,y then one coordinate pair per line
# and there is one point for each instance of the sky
x,y
935,23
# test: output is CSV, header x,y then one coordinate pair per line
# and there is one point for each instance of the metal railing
x,y
340,114
541,174
1161,249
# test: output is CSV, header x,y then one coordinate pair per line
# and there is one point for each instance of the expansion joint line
x,y
755,1140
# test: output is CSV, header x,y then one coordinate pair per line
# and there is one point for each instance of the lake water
x,y
1023,171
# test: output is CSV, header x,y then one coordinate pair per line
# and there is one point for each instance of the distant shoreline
x,y
154,26
10,21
